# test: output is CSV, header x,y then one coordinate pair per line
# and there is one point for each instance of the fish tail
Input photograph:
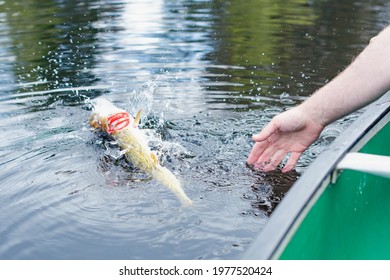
x,y
164,176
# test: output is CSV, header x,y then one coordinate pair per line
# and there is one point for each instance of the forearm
x,y
362,82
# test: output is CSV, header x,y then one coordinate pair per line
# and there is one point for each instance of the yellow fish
x,y
124,129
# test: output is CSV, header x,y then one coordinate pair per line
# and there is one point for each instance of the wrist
x,y
314,114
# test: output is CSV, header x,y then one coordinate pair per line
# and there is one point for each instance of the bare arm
x,y
363,81
293,131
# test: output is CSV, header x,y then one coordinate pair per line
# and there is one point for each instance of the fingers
x,y
265,158
261,144
275,160
256,152
266,132
270,160
291,161
267,153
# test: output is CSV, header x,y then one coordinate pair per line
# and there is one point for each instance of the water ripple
x,y
207,74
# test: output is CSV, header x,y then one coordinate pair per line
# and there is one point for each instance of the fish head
x,y
109,118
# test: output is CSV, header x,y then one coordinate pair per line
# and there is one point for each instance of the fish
x,y
125,131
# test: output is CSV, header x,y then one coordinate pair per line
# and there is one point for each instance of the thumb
x,y
267,131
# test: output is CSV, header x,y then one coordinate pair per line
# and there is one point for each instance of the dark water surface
x,y
207,74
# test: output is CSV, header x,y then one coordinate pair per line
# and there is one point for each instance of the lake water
x,y
207,74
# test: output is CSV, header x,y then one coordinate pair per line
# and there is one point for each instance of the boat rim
x,y
288,215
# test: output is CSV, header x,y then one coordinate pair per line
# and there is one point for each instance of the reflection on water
x,y
207,74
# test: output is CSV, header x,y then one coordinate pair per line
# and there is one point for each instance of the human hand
x,y
292,132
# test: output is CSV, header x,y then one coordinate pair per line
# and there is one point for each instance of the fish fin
x,y
123,152
93,120
154,157
137,119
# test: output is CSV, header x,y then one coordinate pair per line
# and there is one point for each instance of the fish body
x,y
124,129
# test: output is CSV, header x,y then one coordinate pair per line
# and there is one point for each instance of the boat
x,y
339,207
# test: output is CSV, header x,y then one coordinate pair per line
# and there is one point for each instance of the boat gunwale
x,y
288,215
